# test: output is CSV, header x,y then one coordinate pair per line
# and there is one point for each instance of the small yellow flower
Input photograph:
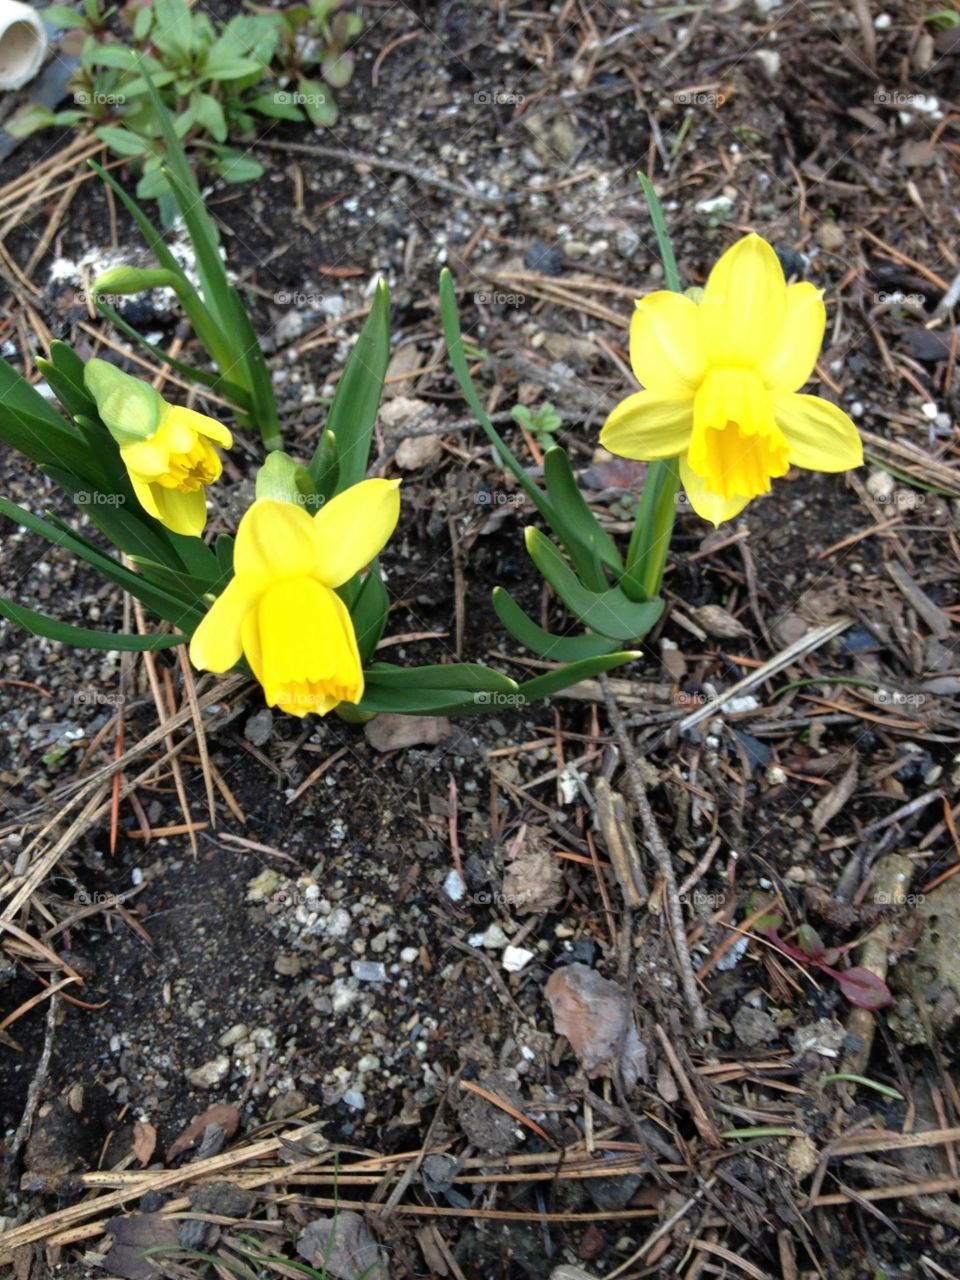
x,y
171,469
167,450
281,611
721,381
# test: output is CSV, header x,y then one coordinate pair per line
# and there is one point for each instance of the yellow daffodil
x,y
168,451
281,610
721,379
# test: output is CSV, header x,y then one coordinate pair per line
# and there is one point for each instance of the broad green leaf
x,y
233,166
652,529
39,624
354,409
29,425
534,638
210,115
324,468
317,101
278,106
611,613
172,31
111,55
412,701
122,141
62,17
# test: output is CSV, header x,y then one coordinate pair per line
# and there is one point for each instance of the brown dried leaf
x,y
594,1014
717,622
532,882
344,1247
389,732
144,1142
224,1114
828,806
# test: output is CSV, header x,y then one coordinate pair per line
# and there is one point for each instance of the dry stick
x,y
190,687
661,856
33,1091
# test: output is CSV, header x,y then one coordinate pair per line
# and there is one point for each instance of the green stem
x,y
652,531
653,526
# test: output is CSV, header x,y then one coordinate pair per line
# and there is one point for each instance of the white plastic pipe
x,y
23,43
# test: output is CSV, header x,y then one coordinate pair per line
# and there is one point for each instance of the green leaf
x,y
533,637
610,612
173,30
354,409
74,398
278,106
317,101
671,276
224,554
577,517
111,55
554,681
210,116
233,166
469,677
32,427
122,141
369,612
66,19
161,602
39,624
412,701
653,526
324,468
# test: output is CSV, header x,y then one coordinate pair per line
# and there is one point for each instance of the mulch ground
x,y
497,987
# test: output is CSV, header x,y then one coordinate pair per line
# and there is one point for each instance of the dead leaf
x,y
144,1142
828,806
594,1014
532,882
132,1237
344,1247
717,622
389,732
224,1114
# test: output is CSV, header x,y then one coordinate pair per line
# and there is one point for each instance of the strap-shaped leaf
x,y
32,427
609,612
468,677
357,399
566,496
425,702
161,602
51,629
369,610
324,467
537,640
555,681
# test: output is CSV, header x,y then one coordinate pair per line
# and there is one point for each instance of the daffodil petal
x,y
666,344
144,493
708,505
744,304
217,642
275,538
648,425
146,458
794,354
354,527
198,423
820,436
180,512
